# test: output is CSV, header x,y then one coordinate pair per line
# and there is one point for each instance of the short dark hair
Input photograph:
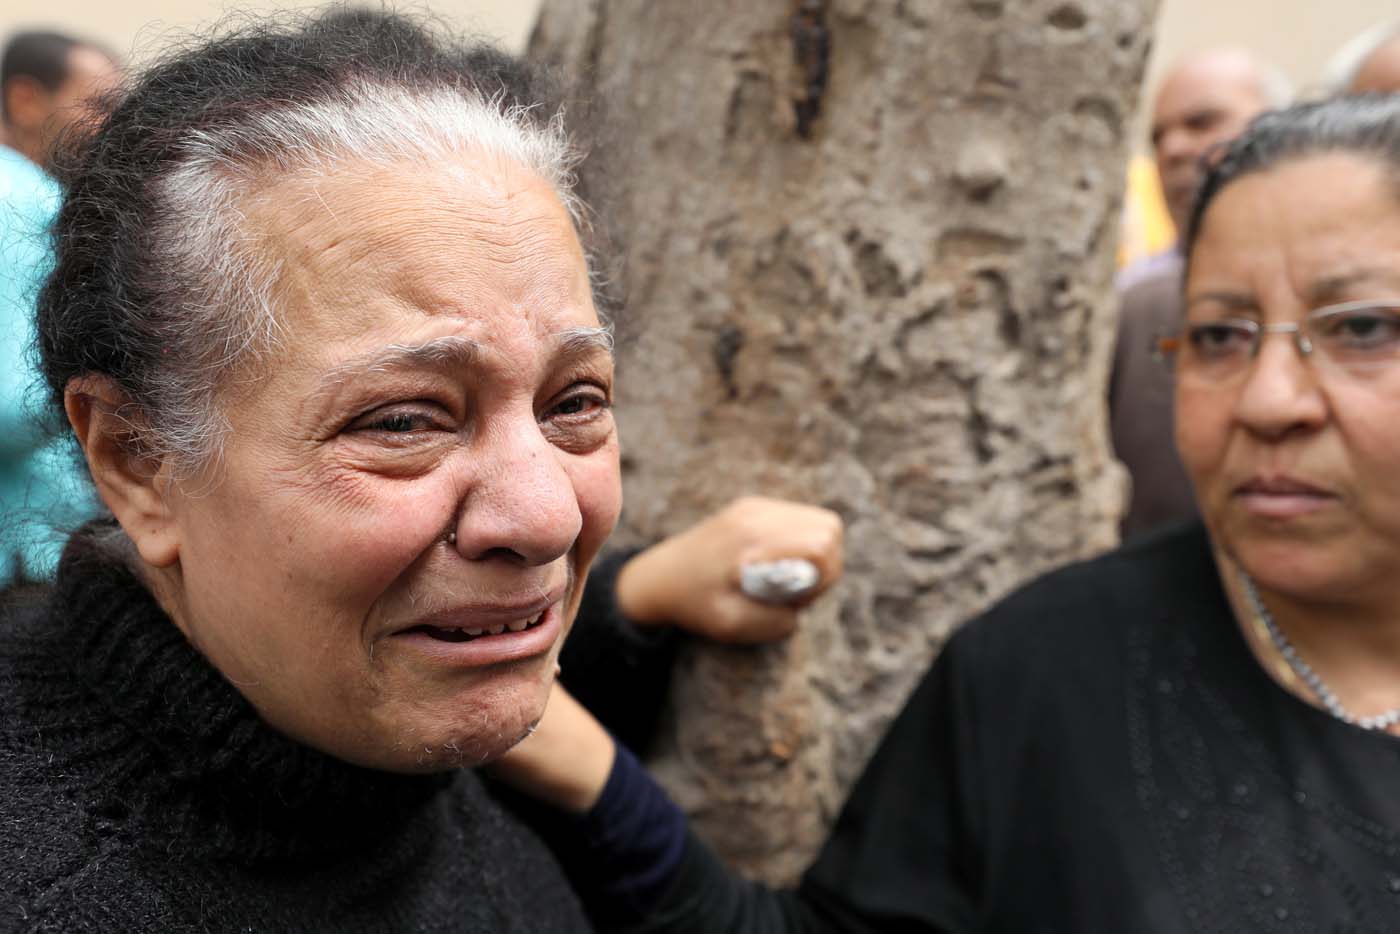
x,y
42,56
1366,125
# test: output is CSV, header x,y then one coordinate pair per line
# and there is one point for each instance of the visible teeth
x,y
517,625
473,632
496,630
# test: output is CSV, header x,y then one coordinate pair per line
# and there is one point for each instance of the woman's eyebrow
x,y
450,352
1331,289
455,353
584,342
1231,301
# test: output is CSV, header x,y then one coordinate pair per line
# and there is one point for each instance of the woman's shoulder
x,y
31,675
45,827
1086,609
1128,575
24,607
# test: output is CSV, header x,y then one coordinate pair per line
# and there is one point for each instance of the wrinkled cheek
x,y
597,483
352,537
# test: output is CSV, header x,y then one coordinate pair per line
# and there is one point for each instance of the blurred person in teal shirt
x,y
46,81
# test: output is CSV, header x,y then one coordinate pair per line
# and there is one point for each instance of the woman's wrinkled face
x,y
389,555
1296,463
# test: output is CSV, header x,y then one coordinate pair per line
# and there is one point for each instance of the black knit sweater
x,y
140,792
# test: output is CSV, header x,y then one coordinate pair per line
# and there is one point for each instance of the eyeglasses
x,y
1354,338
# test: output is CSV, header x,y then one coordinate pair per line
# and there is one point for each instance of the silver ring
x,y
779,582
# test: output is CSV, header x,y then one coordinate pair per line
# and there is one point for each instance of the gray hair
x,y
1274,86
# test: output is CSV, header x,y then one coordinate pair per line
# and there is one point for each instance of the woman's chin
x,y
1299,568
466,729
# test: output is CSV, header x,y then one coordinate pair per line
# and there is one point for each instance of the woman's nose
x,y
1281,393
522,506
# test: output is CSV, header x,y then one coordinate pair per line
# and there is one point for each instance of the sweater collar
x,y
190,760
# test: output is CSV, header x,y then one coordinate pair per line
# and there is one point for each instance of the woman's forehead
x,y
494,205
1315,227
426,240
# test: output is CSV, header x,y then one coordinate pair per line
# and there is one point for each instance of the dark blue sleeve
x,y
638,869
627,849
903,857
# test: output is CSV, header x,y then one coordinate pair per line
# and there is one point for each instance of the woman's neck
x,y
1352,646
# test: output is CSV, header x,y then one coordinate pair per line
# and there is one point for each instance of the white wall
x,y
1299,35
137,28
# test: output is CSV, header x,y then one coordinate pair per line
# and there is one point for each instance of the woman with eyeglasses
x,y
1198,733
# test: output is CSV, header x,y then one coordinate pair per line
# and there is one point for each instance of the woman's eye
x,y
580,421
394,422
398,422
1219,338
1362,330
575,405
584,402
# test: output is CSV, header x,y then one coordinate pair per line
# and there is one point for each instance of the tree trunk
x,y
870,245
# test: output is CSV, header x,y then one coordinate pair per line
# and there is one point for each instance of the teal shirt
x,y
42,494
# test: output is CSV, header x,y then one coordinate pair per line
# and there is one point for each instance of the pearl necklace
x,y
1304,671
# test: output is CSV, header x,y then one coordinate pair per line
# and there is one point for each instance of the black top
x,y
1101,752
139,792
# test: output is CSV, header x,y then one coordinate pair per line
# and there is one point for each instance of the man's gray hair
x,y
1346,63
1274,86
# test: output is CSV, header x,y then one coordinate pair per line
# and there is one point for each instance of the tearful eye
x,y
575,405
397,422
581,420
583,401
394,422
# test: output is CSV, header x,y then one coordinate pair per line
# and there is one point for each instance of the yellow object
x,y
1146,227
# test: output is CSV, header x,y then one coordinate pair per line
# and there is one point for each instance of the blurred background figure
x,y
46,83
1203,102
1368,63
1146,227
1206,100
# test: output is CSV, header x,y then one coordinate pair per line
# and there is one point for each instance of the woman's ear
x,y
132,482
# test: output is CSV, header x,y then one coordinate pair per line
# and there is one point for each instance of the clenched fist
x,y
692,579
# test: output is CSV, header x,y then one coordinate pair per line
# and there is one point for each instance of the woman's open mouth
x,y
473,637
467,634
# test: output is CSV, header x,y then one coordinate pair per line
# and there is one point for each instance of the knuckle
x,y
744,504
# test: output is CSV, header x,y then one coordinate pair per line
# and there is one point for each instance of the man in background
x,y
1369,63
1203,102
46,82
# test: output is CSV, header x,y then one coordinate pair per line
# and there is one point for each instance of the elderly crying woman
x,y
321,323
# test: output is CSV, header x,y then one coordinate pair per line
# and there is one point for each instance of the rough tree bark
x,y
871,245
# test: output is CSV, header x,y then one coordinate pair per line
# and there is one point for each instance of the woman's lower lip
x,y
1283,505
487,649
